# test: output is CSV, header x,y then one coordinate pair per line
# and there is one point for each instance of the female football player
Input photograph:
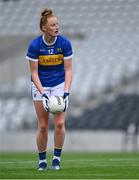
x,y
50,60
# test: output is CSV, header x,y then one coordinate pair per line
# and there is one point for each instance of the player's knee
x,y
60,125
43,128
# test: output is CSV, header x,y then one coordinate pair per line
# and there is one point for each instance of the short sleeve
x,y
67,50
33,52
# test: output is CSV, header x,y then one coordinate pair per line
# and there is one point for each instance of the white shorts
x,y
50,91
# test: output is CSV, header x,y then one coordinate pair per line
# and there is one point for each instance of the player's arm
x,y
68,74
34,75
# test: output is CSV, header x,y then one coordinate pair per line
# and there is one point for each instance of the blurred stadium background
x,y
104,101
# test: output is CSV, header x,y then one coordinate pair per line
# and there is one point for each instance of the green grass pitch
x,y
77,165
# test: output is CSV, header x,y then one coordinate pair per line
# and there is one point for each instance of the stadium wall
x,y
75,141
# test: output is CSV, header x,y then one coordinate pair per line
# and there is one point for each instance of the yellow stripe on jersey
x,y
51,59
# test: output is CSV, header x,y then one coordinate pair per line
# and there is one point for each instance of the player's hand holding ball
x,y
45,101
66,100
55,104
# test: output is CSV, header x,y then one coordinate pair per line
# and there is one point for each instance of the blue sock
x,y
57,153
42,157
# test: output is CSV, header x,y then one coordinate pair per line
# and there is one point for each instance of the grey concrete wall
x,y
13,64
75,141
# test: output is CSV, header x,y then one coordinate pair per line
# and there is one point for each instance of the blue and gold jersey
x,y
50,58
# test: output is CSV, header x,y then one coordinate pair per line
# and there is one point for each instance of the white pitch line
x,y
18,162
111,159
79,160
